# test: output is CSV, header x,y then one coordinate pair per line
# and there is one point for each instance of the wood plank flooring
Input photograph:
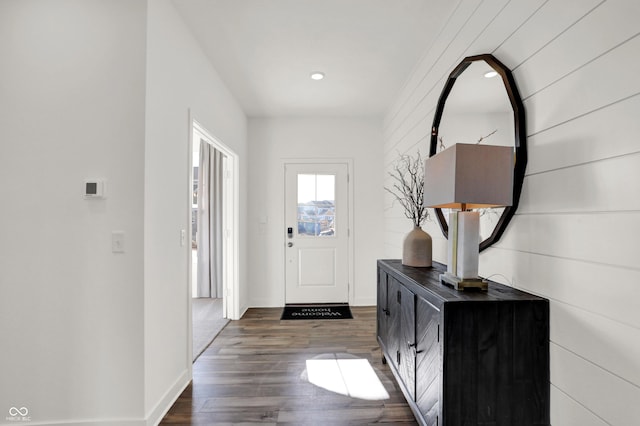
x,y
207,322
254,373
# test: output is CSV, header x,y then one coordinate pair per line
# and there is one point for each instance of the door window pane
x,y
316,205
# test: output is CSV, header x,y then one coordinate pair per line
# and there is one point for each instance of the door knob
x,y
289,244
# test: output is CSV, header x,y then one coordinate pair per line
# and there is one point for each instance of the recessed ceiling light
x,y
317,75
491,74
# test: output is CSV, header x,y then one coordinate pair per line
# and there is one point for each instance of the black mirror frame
x,y
520,139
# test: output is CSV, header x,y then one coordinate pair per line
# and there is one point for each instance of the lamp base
x,y
462,283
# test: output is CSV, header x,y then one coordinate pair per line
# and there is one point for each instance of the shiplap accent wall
x,y
574,237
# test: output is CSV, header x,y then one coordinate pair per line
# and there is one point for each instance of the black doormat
x,y
314,312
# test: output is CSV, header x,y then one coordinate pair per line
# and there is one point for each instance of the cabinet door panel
x,y
393,321
428,361
383,307
408,340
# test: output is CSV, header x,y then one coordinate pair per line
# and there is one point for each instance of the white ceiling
x,y
265,50
474,93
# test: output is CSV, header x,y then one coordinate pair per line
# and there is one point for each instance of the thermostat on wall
x,y
93,188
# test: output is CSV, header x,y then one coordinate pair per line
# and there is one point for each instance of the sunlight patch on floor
x,y
351,377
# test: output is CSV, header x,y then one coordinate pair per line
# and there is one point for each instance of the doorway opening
x,y
213,205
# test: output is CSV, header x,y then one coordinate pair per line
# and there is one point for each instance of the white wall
x,y
179,80
90,336
71,311
574,237
273,140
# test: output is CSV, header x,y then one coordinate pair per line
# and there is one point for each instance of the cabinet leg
x,y
384,360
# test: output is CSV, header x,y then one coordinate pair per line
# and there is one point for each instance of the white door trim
x,y
350,196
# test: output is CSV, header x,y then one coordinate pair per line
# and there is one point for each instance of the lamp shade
x,y
467,176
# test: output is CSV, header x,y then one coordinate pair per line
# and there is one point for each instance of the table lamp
x,y
463,177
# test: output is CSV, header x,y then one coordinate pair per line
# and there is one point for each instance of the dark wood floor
x,y
254,373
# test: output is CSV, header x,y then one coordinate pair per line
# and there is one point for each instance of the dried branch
x,y
408,187
442,146
484,137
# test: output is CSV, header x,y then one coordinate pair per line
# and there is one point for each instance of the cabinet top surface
x,y
428,278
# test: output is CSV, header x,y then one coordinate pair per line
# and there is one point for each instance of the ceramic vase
x,y
416,248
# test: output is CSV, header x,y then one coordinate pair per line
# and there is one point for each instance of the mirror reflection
x,y
480,103
478,110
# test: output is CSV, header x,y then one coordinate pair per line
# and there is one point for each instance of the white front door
x,y
317,233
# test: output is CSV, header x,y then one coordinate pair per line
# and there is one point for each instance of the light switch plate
x,y
117,242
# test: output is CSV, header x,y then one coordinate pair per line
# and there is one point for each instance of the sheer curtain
x,y
209,236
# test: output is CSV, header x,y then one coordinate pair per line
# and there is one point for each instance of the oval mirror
x,y
480,103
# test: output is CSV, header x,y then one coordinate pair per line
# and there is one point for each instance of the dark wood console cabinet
x,y
464,357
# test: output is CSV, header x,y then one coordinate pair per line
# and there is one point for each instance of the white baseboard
x,y
162,407
365,302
